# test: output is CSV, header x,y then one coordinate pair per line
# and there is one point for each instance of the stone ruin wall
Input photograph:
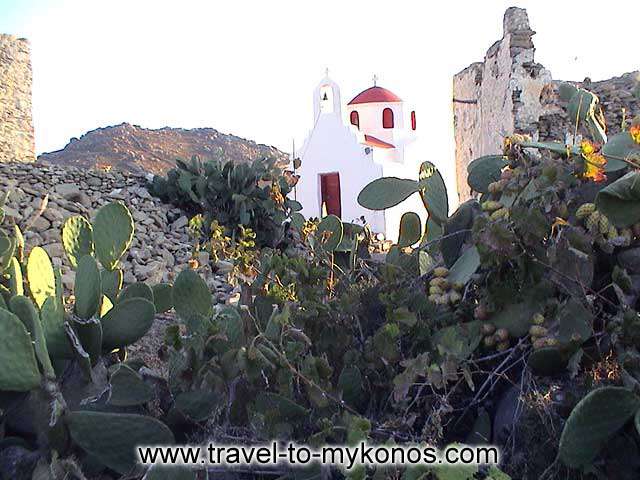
x,y
16,122
509,92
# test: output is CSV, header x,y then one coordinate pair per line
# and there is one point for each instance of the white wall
x,y
332,147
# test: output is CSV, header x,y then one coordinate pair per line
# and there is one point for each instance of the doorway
x,y
330,193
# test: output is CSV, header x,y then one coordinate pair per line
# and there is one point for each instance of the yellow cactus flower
x,y
634,131
594,161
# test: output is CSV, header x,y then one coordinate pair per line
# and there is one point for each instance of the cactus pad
x,y
330,232
410,229
42,281
197,405
593,421
111,283
191,296
387,192
113,438
52,319
26,311
18,365
77,239
112,233
88,289
128,388
14,271
163,297
136,290
127,322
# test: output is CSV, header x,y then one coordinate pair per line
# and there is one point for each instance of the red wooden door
x,y
330,192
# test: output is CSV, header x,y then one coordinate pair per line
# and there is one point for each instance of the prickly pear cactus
x,y
127,322
77,238
410,229
112,233
593,421
88,289
191,296
112,438
18,366
330,232
112,283
42,282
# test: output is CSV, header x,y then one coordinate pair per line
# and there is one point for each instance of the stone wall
x,y
161,246
509,92
16,123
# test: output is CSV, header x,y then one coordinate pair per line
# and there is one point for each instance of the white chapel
x,y
345,151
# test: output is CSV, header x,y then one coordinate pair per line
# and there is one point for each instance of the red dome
x,y
375,94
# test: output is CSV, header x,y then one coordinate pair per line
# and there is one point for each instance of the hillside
x,y
136,149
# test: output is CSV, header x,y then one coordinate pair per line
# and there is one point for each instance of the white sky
x,y
250,67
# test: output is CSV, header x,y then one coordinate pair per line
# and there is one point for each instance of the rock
x,y
223,266
53,214
67,190
40,224
181,222
54,249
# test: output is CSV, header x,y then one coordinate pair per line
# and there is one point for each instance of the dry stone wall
x,y
16,123
509,92
161,247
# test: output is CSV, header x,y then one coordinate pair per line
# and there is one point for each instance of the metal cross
x,y
375,80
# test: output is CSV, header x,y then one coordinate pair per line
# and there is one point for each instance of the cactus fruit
x,y
113,229
585,210
537,319
480,313
502,334
191,296
42,282
128,388
537,331
539,343
491,206
593,221
495,187
18,366
500,214
113,438
440,272
77,239
603,224
488,328
489,341
441,292
88,287
126,322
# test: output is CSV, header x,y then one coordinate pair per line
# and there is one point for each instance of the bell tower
x,y
326,97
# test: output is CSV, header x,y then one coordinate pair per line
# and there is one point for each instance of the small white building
x,y
342,154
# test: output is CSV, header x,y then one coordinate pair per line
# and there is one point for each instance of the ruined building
x,y
16,122
509,92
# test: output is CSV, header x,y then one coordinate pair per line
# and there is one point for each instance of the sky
x,y
250,67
